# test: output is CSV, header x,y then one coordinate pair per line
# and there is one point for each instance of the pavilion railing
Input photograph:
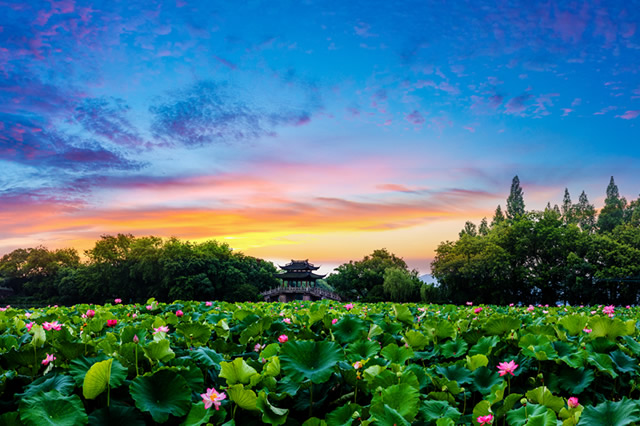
x,y
318,292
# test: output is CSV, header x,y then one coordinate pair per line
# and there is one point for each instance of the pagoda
x,y
299,273
298,283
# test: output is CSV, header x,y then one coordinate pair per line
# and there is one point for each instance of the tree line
x,y
135,269
564,253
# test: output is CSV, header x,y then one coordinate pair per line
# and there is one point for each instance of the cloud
x,y
517,105
415,117
207,113
629,115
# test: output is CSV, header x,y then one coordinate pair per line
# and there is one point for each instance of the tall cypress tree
x,y
585,214
568,213
612,213
483,229
515,201
498,216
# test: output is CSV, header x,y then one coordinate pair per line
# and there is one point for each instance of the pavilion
x,y
298,283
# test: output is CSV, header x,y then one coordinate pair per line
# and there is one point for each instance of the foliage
x,y
378,363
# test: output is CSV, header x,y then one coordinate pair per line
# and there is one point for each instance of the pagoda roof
x,y
298,276
297,265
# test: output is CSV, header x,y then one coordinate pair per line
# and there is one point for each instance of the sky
x,y
308,129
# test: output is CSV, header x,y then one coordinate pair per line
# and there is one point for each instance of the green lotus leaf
x,y
455,372
349,329
161,394
501,324
78,367
482,408
198,415
603,363
39,336
52,408
316,313
416,340
116,414
343,416
484,346
508,403
103,374
632,345
537,346
623,362
207,357
377,375
303,359
454,348
484,379
574,324
10,419
272,349
435,329
477,361
543,396
70,350
610,328
538,414
574,381
270,414
387,416
445,421
58,382
403,313
245,398
433,410
314,421
194,334
256,328
237,371
362,349
189,372
7,342
611,413
396,354
159,351
403,398
570,355
374,330
272,368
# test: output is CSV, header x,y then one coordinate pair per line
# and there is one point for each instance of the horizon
x,y
319,130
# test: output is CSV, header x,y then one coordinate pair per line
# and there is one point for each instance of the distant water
x,y
428,278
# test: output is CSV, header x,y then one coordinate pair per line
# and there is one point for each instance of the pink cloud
x,y
469,128
415,118
226,63
566,111
629,115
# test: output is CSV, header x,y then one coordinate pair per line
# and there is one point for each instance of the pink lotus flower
x,y
136,339
28,314
208,304
53,325
118,301
357,365
587,330
112,322
161,329
287,320
510,304
48,359
469,303
530,308
91,313
134,315
282,338
608,310
572,402
348,306
334,321
149,307
179,313
488,419
258,347
212,397
477,310
507,367
30,325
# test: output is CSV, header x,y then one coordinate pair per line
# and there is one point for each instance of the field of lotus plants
x,y
319,363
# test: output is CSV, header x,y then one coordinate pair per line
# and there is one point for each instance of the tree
x,y
515,201
469,229
612,213
585,214
400,286
364,279
498,217
483,229
568,215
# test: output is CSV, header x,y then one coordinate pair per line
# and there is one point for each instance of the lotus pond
x,y
317,363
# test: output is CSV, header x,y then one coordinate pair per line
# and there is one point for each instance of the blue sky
x,y
308,129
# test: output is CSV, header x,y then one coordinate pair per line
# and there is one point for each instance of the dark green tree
x,y
469,229
515,201
585,214
498,217
400,285
483,229
568,210
612,214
